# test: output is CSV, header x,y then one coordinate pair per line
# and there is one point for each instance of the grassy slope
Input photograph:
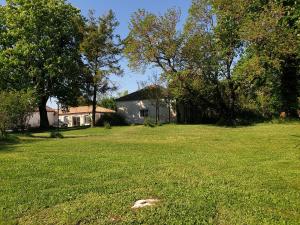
x,y
202,174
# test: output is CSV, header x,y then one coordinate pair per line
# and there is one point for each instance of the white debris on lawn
x,y
144,202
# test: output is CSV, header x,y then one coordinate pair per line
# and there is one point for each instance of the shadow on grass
x,y
52,133
53,138
9,143
14,140
240,123
11,139
221,125
53,129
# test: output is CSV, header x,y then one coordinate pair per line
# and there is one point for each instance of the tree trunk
x,y
178,113
232,102
231,113
290,87
94,107
185,113
3,132
44,122
169,108
221,107
157,112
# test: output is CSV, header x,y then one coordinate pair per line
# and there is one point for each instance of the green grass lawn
x,y
201,174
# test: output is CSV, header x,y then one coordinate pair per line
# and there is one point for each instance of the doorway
x,y
76,121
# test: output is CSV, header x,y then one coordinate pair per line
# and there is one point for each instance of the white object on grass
x,y
144,202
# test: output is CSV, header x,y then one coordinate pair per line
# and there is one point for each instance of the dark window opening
x,y
87,120
144,113
76,121
66,120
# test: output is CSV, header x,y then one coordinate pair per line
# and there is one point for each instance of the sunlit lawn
x,y
201,174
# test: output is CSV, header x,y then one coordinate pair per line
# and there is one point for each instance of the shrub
x,y
15,108
109,103
107,125
148,123
11,139
114,119
159,124
56,134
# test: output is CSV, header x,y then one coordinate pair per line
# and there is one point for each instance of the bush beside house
x,y
15,109
114,119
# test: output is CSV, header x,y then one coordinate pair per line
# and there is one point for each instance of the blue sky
x,y
123,10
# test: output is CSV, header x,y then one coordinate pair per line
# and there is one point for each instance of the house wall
x,y
131,111
81,116
34,119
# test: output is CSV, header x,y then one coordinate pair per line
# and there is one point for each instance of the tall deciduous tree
x,y
272,30
229,16
39,48
197,62
214,48
154,40
101,49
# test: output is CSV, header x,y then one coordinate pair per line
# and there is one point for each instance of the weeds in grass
x,y
56,134
149,123
107,125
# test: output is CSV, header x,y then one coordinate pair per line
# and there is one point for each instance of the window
x,y
66,120
87,120
76,121
144,113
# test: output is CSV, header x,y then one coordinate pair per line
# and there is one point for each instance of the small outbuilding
x,y
151,102
81,116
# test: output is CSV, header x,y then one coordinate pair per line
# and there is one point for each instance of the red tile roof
x,y
85,109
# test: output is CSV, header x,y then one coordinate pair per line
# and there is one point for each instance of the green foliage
x,y
101,49
148,122
153,40
113,119
15,109
56,134
272,35
196,62
232,56
109,103
107,125
123,93
258,88
39,49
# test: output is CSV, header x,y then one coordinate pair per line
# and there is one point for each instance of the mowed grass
x,y
201,174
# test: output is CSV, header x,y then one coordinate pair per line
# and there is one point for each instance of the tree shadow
x,y
74,128
37,137
295,136
51,129
9,143
12,142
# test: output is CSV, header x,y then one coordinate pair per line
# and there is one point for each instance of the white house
x,y
34,119
150,102
81,116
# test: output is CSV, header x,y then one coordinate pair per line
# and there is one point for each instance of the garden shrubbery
x,y
56,134
15,109
113,119
149,123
